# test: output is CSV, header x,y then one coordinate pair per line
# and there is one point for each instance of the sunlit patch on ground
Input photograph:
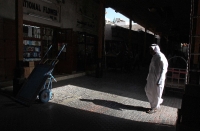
x,y
112,104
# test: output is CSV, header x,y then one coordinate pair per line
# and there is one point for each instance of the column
x,y
100,37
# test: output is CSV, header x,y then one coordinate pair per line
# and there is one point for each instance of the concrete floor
x,y
115,102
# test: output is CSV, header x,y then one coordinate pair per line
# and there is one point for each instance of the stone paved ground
x,y
115,102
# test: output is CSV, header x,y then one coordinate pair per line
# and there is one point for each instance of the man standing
x,y
156,78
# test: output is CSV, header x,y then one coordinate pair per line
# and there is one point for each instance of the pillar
x,y
101,25
19,70
19,29
130,34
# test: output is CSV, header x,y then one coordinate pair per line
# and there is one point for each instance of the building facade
x,y
76,23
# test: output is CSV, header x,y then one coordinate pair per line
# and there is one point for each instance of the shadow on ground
x,y
115,105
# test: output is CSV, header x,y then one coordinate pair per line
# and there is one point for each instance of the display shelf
x,y
31,31
31,42
32,53
36,41
32,50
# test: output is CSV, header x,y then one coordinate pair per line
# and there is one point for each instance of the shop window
x,y
36,40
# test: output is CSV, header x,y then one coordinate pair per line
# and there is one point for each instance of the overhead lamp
x,y
39,16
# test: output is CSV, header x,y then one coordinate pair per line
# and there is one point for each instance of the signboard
x,y
43,9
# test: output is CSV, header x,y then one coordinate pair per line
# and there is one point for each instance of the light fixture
x,y
39,16
47,1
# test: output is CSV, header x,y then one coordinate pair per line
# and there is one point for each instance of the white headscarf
x,y
156,48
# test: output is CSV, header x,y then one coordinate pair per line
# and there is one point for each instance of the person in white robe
x,y
156,78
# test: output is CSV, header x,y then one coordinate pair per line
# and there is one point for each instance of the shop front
x,y
52,22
